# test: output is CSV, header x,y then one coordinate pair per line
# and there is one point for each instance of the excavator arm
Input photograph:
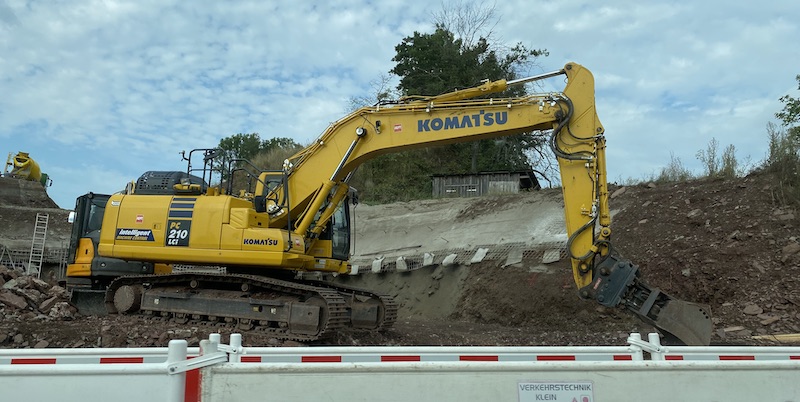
x,y
576,138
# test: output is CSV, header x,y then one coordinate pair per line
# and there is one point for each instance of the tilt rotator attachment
x,y
617,281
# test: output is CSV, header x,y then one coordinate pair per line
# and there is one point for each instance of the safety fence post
x,y
176,352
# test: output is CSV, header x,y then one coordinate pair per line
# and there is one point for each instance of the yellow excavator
x,y
173,246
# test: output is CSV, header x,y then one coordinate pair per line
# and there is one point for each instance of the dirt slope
x,y
729,244
725,243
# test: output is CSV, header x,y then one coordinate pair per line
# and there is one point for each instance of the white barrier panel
x,y
35,375
572,374
510,381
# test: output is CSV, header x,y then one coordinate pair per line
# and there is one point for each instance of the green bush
x,y
674,171
784,161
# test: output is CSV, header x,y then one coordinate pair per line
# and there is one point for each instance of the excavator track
x,y
387,314
284,309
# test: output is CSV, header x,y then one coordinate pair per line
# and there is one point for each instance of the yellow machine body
x,y
22,166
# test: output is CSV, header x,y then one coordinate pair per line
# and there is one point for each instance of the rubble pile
x,y
26,298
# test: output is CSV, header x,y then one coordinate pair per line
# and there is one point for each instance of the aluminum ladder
x,y
6,258
37,245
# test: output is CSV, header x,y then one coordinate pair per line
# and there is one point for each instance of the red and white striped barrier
x,y
718,353
396,354
87,356
217,372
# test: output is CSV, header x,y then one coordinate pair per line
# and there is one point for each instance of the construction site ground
x,y
730,244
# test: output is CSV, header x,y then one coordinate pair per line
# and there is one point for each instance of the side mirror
x,y
260,203
71,217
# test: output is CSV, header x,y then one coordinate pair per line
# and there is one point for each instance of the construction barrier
x,y
643,370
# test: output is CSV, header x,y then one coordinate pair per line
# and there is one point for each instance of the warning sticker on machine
x,y
580,391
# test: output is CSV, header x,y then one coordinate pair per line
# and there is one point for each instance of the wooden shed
x,y
475,184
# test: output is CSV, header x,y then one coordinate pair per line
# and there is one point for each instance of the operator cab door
x,y
88,219
338,231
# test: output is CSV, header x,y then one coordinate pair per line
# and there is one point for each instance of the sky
x,y
100,91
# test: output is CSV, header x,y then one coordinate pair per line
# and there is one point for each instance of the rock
x,y
437,274
759,267
770,320
48,304
31,294
686,272
752,309
12,300
3,338
7,272
733,329
646,204
694,213
651,185
19,338
24,282
618,192
63,311
41,344
10,284
786,217
789,250
40,285
643,221
58,291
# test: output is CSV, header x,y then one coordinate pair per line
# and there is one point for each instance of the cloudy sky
x,y
99,91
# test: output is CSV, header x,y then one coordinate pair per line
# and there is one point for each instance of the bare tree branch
x,y
468,20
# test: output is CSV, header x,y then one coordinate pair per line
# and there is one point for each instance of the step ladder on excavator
x,y
37,245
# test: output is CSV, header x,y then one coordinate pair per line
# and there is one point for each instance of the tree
x,y
248,146
784,150
252,148
441,62
708,157
240,146
790,115
459,53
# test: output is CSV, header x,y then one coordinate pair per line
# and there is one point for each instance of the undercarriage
x,y
294,310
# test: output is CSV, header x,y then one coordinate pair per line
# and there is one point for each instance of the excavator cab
x,y
88,273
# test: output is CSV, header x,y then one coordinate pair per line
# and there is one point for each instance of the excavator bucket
x,y
88,301
617,282
686,322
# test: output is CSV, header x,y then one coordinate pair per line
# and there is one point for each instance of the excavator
x,y
175,247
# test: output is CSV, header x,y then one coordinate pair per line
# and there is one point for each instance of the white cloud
x,y
121,87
